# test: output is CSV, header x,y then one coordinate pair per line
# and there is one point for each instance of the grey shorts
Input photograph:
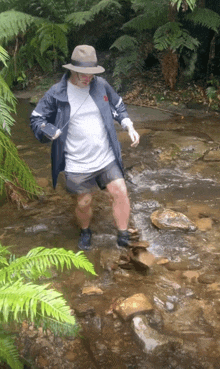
x,y
79,183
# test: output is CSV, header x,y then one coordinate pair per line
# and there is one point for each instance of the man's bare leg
x,y
84,210
121,203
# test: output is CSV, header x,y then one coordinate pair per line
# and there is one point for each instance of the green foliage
x,y
125,42
21,299
190,3
81,18
12,168
206,18
12,23
171,35
8,352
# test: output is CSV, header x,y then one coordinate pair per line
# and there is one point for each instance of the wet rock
x,y
207,278
169,219
191,275
92,290
154,343
169,306
83,309
133,305
37,228
109,259
182,265
213,155
140,245
204,224
162,261
155,319
42,182
42,362
71,356
143,258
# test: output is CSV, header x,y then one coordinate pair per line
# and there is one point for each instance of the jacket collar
x,y
60,89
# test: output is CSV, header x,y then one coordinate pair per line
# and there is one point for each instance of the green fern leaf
x,y
104,5
30,300
171,35
9,353
39,259
53,35
190,3
12,23
12,167
206,18
125,42
79,18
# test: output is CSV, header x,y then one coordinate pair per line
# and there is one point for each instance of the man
x,y
81,108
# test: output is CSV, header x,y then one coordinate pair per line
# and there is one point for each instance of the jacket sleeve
x,y
118,108
45,112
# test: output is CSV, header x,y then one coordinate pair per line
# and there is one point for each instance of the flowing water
x,y
176,166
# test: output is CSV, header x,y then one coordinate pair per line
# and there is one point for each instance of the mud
x,y
176,166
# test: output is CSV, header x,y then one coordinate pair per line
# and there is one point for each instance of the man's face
x,y
81,79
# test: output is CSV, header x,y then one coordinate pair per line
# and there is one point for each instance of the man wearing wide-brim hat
x,y
80,112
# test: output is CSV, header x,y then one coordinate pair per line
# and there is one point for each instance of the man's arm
x,y
120,114
44,113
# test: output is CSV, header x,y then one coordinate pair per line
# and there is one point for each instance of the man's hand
x,y
135,138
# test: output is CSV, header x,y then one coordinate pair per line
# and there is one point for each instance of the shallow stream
x,y
176,166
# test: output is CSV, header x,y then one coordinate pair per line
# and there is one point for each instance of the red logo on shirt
x,y
106,98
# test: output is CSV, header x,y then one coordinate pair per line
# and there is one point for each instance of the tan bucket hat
x,y
84,60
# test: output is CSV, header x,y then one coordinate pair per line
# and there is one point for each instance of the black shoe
x,y
85,239
123,238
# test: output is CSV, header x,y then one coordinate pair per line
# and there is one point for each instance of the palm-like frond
x,y
6,120
39,259
171,35
53,35
125,42
79,18
178,3
206,18
12,166
19,300
12,23
8,352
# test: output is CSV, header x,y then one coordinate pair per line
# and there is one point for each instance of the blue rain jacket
x,y
54,108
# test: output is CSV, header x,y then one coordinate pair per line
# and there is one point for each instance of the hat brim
x,y
86,70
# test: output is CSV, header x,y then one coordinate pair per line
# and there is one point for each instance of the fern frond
x,y
171,35
190,3
39,259
125,42
13,167
79,18
53,35
8,352
206,18
3,55
6,120
12,23
104,5
19,300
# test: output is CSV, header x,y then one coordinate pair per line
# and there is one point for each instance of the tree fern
x,y
125,42
12,23
206,18
53,36
37,261
22,300
171,35
12,167
190,3
8,352
81,18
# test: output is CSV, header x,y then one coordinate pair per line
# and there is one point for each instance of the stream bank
x,y
176,166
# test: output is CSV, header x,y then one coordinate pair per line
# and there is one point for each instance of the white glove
x,y
135,138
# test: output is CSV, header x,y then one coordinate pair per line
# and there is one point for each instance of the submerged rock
x,y
37,228
153,342
135,304
169,219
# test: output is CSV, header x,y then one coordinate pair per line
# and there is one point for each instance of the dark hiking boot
x,y
85,239
123,238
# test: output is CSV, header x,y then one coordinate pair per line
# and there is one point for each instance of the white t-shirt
x,y
87,146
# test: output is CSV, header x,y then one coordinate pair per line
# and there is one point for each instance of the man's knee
x,y
118,189
84,201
